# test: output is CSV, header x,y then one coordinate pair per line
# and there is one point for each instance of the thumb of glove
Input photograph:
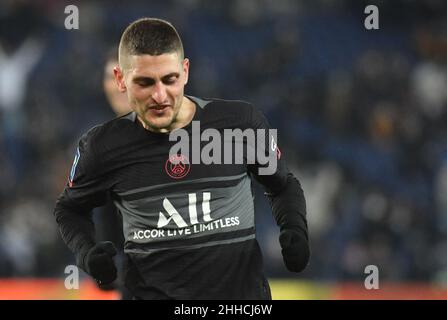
x,y
108,247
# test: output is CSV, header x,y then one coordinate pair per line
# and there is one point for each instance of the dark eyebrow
x,y
141,78
149,79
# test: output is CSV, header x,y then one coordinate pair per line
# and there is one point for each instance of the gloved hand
x,y
98,262
295,249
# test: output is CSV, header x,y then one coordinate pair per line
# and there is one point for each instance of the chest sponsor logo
x,y
171,213
194,223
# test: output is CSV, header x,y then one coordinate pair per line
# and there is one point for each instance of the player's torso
x,y
179,201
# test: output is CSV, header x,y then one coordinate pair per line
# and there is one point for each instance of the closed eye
x,y
147,82
170,78
144,81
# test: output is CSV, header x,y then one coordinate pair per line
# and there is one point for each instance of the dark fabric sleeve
x,y
86,188
282,188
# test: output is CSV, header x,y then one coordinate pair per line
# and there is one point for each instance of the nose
x,y
159,95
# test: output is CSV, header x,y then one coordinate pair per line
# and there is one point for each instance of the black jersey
x,y
189,228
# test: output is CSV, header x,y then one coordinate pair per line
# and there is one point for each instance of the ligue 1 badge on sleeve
x,y
177,166
73,168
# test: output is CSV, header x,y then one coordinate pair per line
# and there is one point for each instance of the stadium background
x,y
361,118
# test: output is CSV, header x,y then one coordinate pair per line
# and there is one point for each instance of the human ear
x,y
119,79
185,64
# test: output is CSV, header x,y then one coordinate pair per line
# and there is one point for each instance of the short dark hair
x,y
150,36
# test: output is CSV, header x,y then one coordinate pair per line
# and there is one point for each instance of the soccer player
x,y
189,227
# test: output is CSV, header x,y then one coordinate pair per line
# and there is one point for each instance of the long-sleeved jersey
x,y
189,227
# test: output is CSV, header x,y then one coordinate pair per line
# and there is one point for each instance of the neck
x,y
184,116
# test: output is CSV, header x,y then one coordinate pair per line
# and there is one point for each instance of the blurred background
x,y
361,114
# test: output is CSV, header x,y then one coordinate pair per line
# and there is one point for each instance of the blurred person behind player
x,y
162,201
108,220
117,100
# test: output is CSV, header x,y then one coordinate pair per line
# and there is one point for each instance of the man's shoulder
x,y
109,131
233,110
208,103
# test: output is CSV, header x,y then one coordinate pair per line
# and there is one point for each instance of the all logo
x,y
177,166
174,215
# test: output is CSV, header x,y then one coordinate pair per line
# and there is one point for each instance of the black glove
x,y
98,262
295,249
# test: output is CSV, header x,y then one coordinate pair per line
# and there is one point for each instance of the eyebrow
x,y
143,78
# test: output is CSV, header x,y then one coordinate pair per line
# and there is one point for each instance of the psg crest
x,y
177,166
